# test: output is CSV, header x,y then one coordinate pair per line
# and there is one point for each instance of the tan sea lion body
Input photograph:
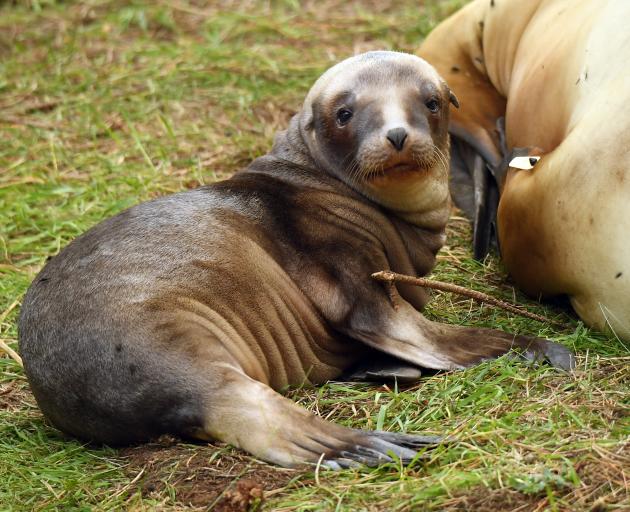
x,y
184,314
558,70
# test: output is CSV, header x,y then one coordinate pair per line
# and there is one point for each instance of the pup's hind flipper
x,y
250,415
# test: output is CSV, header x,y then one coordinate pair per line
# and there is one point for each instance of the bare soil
x,y
229,483
14,396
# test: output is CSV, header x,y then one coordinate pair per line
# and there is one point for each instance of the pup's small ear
x,y
309,122
309,111
453,99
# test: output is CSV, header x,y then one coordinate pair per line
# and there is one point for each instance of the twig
x,y
391,293
389,277
6,312
11,353
317,468
130,484
33,123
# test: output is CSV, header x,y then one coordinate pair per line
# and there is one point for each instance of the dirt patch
x,y
14,396
203,475
247,494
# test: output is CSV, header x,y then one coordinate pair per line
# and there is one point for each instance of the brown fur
x,y
184,314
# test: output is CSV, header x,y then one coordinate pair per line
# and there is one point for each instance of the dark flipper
x,y
474,191
475,184
381,367
486,204
378,447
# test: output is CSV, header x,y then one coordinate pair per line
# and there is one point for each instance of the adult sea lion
x,y
557,71
185,313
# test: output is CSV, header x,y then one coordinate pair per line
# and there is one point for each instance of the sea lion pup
x,y
557,70
185,313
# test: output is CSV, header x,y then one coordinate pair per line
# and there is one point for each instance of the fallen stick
x,y
11,353
390,277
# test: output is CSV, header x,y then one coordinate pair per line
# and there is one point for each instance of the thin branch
x,y
11,353
389,277
6,312
33,123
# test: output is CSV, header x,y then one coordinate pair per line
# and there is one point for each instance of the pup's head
x,y
379,122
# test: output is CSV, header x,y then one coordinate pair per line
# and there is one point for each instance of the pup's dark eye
x,y
433,105
343,116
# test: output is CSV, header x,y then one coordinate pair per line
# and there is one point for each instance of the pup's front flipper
x,y
470,345
250,415
386,322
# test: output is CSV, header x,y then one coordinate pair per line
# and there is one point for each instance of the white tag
x,y
524,162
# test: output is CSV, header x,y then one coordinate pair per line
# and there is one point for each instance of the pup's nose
x,y
397,137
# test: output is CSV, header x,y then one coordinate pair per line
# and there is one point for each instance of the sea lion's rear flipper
x,y
475,190
249,414
476,181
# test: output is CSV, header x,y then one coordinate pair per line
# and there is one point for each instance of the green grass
x,y
105,103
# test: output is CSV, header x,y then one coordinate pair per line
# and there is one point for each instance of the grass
x,y
105,103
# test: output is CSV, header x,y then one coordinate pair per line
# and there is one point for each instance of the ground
x,y
105,103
